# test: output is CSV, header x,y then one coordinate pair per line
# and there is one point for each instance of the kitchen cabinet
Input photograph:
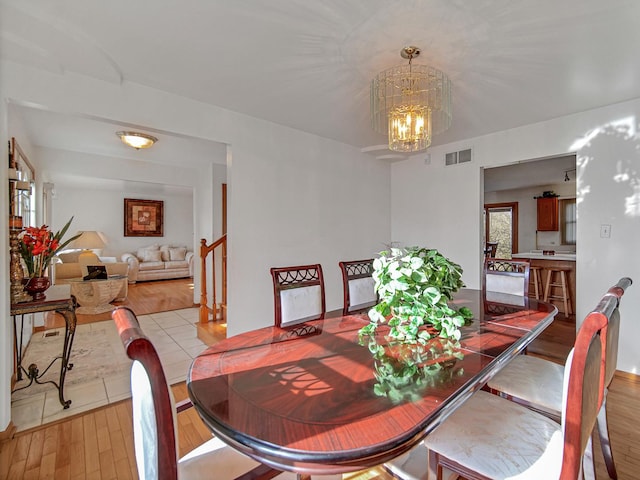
x,y
547,214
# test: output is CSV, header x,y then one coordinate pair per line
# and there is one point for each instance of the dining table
x,y
319,397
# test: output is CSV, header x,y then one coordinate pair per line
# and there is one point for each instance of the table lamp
x,y
88,241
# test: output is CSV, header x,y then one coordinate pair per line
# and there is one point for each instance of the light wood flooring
x,y
99,444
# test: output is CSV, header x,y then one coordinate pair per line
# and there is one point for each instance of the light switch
x,y
605,231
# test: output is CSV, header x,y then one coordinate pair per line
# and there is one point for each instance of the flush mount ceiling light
x,y
410,103
137,140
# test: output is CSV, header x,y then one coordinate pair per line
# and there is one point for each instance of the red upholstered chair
x,y
490,437
298,294
490,249
498,424
522,379
154,422
358,286
504,279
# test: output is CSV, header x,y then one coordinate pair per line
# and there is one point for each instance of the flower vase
x,y
36,286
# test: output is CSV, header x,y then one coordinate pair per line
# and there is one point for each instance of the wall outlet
x,y
605,231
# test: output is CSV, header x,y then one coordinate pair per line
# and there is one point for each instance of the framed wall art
x,y
143,218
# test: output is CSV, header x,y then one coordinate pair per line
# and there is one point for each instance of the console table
x,y
58,299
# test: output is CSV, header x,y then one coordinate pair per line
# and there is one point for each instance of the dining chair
x,y
358,286
490,437
490,249
537,383
504,279
298,294
154,421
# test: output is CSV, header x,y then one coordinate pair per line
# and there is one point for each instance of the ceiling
x,y
307,64
535,173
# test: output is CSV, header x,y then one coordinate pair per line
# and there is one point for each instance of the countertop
x,y
571,257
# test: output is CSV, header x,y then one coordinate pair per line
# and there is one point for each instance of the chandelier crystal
x,y
410,103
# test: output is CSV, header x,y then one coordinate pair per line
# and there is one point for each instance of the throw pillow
x,y
164,251
152,256
142,252
178,253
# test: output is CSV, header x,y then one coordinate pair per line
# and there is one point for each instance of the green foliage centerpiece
x,y
414,285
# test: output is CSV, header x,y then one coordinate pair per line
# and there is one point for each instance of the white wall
x,y
293,197
102,210
441,207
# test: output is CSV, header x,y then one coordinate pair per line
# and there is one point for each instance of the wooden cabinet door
x,y
548,214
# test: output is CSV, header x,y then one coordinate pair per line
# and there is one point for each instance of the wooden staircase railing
x,y
205,250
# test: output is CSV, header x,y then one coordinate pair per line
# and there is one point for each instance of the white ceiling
x,y
307,64
535,173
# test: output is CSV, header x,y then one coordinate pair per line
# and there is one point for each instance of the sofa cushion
x,y
173,264
178,253
147,252
69,257
152,265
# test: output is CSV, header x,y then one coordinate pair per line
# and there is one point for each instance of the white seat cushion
x,y
173,264
151,266
215,458
411,465
534,380
500,439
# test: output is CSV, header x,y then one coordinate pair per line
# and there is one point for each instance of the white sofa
x,y
159,262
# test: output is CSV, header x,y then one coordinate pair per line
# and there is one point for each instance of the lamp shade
x,y
89,240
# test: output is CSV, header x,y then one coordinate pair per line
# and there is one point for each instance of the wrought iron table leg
x,y
69,333
32,372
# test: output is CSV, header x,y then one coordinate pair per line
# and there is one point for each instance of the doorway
x,y
501,227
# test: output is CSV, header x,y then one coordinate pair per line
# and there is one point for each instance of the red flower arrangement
x,y
39,245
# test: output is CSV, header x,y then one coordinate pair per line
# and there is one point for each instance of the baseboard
x,y
8,433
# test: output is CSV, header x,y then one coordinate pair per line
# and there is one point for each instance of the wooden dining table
x,y
319,398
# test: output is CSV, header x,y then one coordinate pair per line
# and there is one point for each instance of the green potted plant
x,y
414,285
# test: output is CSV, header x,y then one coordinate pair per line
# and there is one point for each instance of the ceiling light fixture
x,y
566,174
137,140
410,103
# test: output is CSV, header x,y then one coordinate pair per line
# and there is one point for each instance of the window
x,y
568,221
501,225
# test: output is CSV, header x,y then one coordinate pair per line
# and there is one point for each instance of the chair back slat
x,y
298,294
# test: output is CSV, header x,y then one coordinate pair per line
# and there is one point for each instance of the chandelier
x,y
410,103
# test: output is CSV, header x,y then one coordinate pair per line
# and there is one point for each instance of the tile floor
x,y
174,335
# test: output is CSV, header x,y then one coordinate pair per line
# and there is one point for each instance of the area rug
x,y
97,352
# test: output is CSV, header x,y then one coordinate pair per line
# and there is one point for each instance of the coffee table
x,y
94,296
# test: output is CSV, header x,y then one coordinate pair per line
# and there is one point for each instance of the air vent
x,y
463,156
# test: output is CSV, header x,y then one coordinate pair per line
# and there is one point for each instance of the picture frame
x,y
143,218
94,272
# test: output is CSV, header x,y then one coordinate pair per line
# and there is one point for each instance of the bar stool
x,y
536,279
562,282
